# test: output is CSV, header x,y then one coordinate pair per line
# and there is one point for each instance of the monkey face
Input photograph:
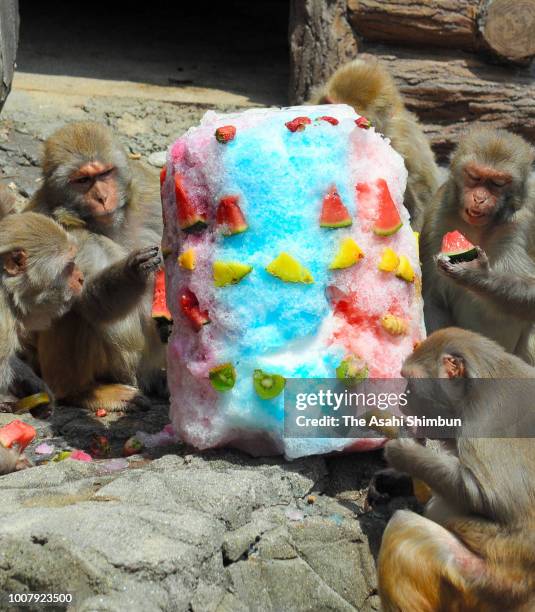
x,y
485,191
95,187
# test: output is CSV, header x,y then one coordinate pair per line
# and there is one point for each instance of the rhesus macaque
x,y
110,205
366,86
474,551
489,198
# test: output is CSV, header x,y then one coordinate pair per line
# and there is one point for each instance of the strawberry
x,y
363,123
298,124
331,120
225,134
190,307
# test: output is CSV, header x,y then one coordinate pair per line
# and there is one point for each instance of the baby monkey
x,y
474,550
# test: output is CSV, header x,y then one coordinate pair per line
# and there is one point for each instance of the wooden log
x,y
447,23
9,38
507,28
450,91
321,39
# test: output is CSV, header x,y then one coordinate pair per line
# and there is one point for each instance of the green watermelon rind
x,y
337,225
380,231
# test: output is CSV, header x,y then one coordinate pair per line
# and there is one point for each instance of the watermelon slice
x,y
229,216
388,220
159,302
190,307
163,175
18,433
457,248
333,212
191,218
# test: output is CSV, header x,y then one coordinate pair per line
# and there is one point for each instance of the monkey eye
x,y
498,183
106,173
82,180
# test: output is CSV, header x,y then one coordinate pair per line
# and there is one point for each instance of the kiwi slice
x,y
223,377
268,386
352,368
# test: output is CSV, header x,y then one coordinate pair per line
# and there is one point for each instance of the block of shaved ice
x,y
289,254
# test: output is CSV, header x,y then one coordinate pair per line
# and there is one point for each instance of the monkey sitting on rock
x,y
110,205
474,550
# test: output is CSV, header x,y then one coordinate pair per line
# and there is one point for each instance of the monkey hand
x,y
465,272
399,453
143,262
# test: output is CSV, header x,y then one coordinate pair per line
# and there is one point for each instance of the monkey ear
x,y
15,262
454,366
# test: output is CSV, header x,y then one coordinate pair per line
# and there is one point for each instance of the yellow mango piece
x,y
404,270
187,260
389,261
229,272
348,255
417,236
395,326
289,270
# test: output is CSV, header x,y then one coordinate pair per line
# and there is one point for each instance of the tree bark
x,y
450,91
448,23
9,38
321,39
507,28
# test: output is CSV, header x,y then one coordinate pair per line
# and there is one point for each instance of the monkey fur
x,y
474,549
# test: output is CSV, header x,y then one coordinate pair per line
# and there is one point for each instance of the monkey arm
x,y
516,293
442,472
115,291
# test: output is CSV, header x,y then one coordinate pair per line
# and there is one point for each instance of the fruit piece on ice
x,y
457,248
225,134
348,255
223,377
353,368
395,326
331,120
190,307
159,302
404,270
333,212
187,260
229,216
268,386
190,217
388,220
18,433
363,123
229,272
31,401
389,261
289,270
417,238
163,175
298,124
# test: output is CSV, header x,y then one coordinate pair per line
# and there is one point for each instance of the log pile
x,y
456,61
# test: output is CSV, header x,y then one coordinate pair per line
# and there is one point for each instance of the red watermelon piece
x,y
190,307
298,124
457,247
229,216
17,433
159,301
163,175
388,220
191,217
333,212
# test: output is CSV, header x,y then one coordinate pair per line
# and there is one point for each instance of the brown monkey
x,y
476,552
370,90
488,197
11,460
110,205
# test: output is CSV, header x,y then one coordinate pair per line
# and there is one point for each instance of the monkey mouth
x,y
476,217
